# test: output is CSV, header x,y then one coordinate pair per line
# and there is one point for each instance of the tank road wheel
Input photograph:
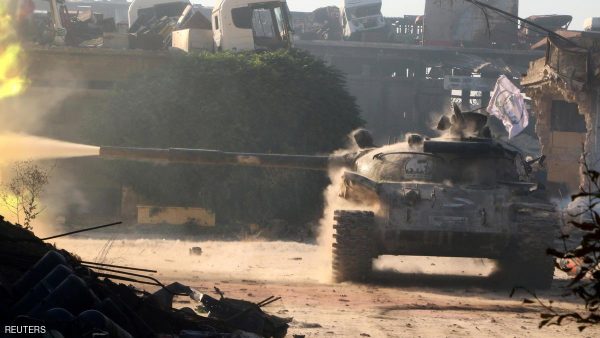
x,y
353,246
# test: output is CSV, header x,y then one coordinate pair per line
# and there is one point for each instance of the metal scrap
x,y
79,299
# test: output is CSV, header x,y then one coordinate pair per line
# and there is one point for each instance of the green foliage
x,y
584,254
276,102
585,283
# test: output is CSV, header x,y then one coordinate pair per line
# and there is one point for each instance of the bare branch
x,y
22,193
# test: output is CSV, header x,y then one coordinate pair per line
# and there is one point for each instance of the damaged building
x,y
565,90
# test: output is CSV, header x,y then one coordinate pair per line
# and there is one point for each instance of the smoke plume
x,y
333,202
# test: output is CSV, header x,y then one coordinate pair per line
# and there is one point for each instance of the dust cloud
x,y
333,201
436,265
247,260
20,147
323,271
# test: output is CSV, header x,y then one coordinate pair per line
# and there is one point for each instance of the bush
x,y
276,102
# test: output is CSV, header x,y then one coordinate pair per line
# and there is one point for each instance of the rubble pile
x,y
86,29
42,286
83,28
152,30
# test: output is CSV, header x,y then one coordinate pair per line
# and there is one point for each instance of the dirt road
x,y
408,304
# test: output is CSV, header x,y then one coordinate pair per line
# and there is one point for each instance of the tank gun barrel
x,y
216,157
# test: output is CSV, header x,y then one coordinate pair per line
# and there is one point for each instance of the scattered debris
x,y
246,315
304,325
41,285
572,266
196,251
153,27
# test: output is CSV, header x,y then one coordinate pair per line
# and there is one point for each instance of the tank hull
x,y
444,244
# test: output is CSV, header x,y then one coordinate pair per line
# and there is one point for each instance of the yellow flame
x,y
12,70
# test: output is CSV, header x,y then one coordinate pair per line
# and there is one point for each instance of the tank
x,y
465,195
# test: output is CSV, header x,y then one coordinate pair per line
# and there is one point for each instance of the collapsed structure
x,y
565,90
44,287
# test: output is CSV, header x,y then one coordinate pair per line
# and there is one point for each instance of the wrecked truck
x,y
235,25
359,17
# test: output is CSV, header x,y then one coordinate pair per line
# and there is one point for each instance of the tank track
x,y
353,246
525,262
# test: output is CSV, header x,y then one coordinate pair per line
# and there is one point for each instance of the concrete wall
x,y
88,68
174,216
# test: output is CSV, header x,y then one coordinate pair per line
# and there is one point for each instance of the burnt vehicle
x,y
465,195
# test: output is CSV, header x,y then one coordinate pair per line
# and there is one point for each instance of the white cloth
x,y
507,104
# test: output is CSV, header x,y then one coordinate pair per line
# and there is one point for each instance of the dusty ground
x,y
407,304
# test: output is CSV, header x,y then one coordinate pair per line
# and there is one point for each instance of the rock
x,y
196,251
304,325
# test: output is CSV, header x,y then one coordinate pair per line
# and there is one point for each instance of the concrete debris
x,y
529,35
246,316
43,286
86,29
153,27
564,90
83,28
